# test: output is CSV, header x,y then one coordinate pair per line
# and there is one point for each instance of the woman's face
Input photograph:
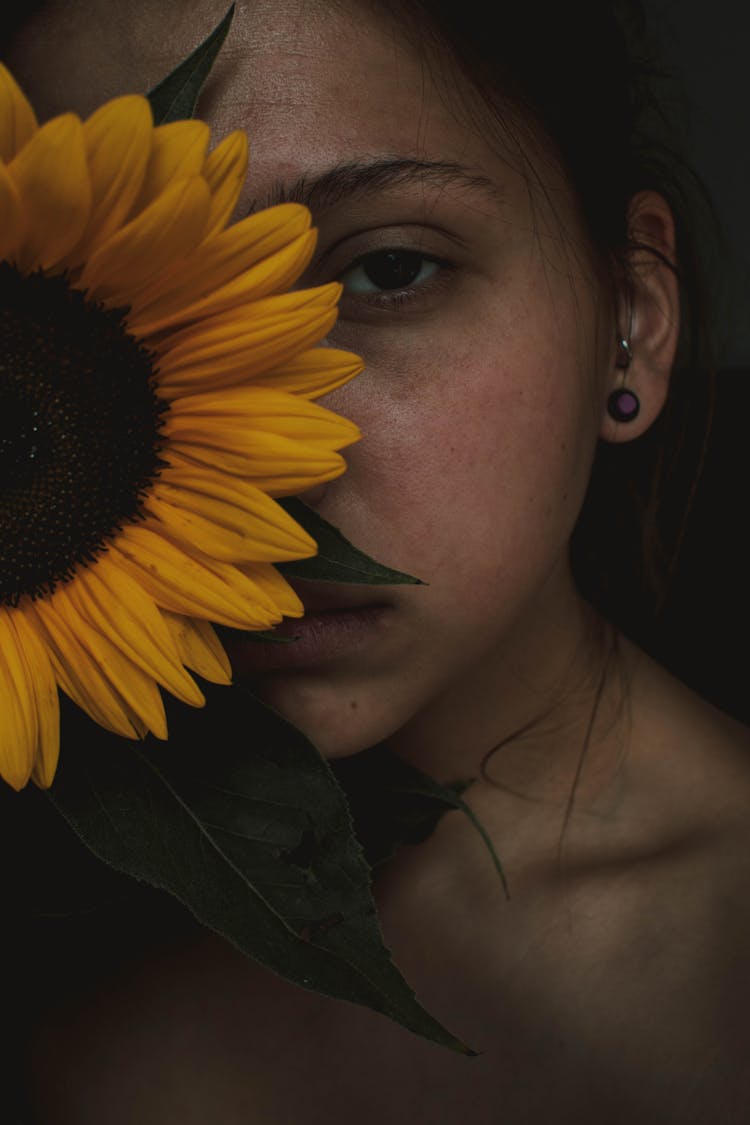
x,y
487,341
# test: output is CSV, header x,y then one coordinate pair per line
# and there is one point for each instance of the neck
x,y
522,715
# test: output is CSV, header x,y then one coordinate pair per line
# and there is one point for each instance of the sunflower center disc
x,y
19,441
79,430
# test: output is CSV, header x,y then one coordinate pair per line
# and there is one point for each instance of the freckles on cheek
x,y
401,476
443,477
499,477
463,459
427,432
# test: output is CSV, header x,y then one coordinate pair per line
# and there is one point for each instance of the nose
x,y
313,497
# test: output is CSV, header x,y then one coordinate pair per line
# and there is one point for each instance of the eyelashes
x,y
391,278
387,270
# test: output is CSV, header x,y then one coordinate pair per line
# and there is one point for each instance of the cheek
x,y
470,473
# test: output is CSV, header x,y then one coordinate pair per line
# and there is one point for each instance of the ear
x,y
648,317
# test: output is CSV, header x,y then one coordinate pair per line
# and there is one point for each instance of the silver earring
x,y
624,353
624,348
623,404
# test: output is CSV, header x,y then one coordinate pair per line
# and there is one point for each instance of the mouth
x,y
338,621
328,597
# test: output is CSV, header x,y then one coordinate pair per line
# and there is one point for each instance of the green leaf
x,y
393,803
174,98
252,833
337,559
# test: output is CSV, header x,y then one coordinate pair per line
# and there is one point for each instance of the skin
x,y
496,569
615,971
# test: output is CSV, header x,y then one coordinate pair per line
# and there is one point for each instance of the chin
x,y
339,723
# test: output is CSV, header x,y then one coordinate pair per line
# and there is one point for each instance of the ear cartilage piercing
x,y
624,353
623,405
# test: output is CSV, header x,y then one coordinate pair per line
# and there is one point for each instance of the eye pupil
x,y
393,269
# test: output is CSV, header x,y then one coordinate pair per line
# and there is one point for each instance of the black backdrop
x,y
703,636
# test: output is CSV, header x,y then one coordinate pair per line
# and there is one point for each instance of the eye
x,y
388,270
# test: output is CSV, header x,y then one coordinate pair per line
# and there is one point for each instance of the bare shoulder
x,y
617,976
674,915
688,805
688,756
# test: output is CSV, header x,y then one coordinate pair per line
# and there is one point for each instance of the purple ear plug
x,y
623,405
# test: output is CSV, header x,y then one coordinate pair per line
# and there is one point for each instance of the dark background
x,y
705,46
705,622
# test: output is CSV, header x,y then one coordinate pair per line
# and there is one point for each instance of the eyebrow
x,y
358,178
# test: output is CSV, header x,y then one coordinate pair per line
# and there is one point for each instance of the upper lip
x,y
319,597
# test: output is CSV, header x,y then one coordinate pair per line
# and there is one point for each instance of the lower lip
x,y
311,639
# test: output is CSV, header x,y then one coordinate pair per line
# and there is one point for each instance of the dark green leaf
x,y
252,832
393,803
174,98
337,559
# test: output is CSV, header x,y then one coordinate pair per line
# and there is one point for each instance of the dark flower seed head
x,y
79,430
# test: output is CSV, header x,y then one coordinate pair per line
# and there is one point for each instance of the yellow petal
x,y
178,151
46,699
233,329
11,216
117,139
313,373
17,118
199,647
224,171
136,688
117,606
274,275
52,179
237,360
239,505
170,228
262,352
189,292
79,675
189,583
224,531
276,586
18,720
236,415
208,489
280,466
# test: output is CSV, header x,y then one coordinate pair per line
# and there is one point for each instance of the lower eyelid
x,y
382,307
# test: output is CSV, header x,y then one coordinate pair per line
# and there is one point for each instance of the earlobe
x,y
644,345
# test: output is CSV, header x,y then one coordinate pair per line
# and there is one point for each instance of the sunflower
x,y
156,385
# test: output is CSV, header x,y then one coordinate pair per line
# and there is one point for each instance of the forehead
x,y
311,81
280,55
323,81
315,84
